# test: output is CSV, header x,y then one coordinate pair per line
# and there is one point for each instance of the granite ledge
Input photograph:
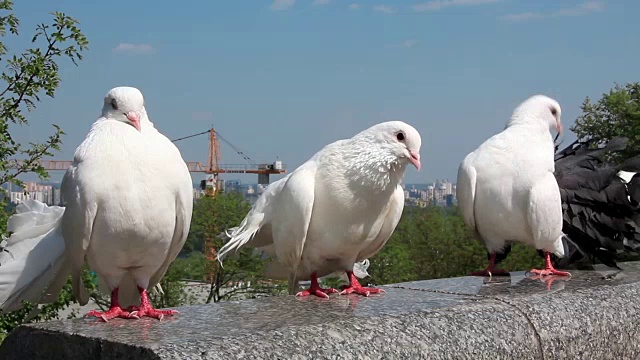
x,y
593,314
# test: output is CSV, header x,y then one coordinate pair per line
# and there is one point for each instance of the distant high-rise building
x,y
57,199
449,200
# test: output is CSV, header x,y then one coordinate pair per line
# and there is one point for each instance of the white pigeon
x,y
338,208
506,188
128,201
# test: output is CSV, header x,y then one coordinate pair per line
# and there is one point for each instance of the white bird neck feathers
x,y
378,156
372,168
540,112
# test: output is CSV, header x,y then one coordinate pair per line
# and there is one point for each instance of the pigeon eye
x,y
554,112
400,136
114,104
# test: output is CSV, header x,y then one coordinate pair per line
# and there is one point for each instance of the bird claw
x,y
112,313
149,311
319,292
548,272
360,290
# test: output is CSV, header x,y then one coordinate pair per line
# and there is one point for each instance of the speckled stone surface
x,y
591,315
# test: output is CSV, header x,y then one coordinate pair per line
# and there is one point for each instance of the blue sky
x,y
283,78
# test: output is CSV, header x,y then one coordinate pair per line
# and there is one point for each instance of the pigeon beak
x,y
414,157
134,118
559,127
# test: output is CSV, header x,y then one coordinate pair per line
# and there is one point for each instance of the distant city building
x,y
439,193
44,193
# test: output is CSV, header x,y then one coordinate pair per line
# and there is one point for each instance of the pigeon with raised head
x,y
506,188
335,210
600,204
128,201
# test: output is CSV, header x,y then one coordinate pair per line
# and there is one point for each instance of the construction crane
x,y
211,185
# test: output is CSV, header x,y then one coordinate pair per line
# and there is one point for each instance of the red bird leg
x,y
548,268
145,308
491,268
114,310
355,287
316,290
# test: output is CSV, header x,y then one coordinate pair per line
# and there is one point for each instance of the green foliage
x,y
617,113
241,276
433,242
211,216
31,73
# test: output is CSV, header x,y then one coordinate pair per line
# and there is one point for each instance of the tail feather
x,y
33,265
239,237
256,220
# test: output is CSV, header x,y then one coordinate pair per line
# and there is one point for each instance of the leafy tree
x,y
617,113
241,276
31,74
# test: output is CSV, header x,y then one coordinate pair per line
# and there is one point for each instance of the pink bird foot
x,y
149,311
316,290
360,290
112,313
115,311
355,287
547,272
145,308
491,269
549,269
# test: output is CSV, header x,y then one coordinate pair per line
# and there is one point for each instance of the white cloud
x,y
436,5
384,9
354,6
282,4
580,10
134,48
409,43
321,2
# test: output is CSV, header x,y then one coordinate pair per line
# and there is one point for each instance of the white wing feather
x,y
465,190
77,225
33,259
390,220
291,222
545,214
